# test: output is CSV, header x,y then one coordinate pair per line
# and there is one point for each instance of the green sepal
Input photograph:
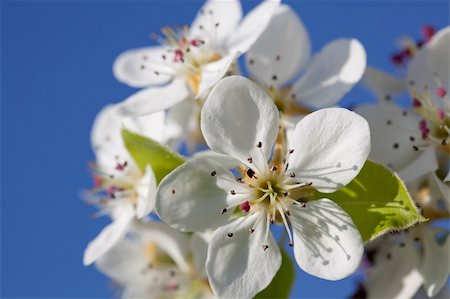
x,y
146,151
377,200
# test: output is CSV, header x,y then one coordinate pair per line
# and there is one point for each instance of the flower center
x,y
284,99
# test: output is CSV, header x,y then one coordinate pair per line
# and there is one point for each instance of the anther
x,y
412,138
259,144
224,210
278,58
291,151
441,92
251,230
291,243
274,77
213,173
156,73
387,97
216,25
245,206
250,173
274,168
265,247
389,122
395,145
233,192
292,175
173,191
251,61
250,160
230,235
416,148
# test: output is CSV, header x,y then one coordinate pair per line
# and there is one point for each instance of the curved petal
x,y
155,99
326,242
251,27
106,139
143,67
216,20
193,196
146,190
395,274
435,267
213,72
224,160
332,74
395,133
330,148
382,84
429,63
236,117
240,266
199,248
152,125
124,262
174,243
110,235
281,51
425,162
439,189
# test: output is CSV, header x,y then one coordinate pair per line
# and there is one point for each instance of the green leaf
x,y
377,201
146,151
281,285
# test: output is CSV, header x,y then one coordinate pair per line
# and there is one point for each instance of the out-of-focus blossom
x,y
408,140
191,59
240,120
155,261
282,53
121,190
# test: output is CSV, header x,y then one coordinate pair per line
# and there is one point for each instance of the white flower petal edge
x,y
251,27
199,248
329,156
326,242
435,267
382,84
227,14
331,74
192,197
128,69
405,279
146,190
110,235
155,99
237,116
213,72
281,51
240,266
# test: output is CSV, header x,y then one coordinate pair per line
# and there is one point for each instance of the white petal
x,y
146,190
224,160
326,242
106,138
281,51
226,14
432,58
332,74
330,148
425,162
439,189
395,274
238,115
183,124
124,262
152,125
239,266
199,248
382,84
137,67
174,243
110,235
213,72
251,27
191,198
394,134
155,99
435,268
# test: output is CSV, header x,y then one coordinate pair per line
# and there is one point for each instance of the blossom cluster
x,y
223,152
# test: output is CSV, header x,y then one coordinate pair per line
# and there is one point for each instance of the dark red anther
x,y
428,32
98,181
417,103
245,206
397,59
178,56
197,42
441,92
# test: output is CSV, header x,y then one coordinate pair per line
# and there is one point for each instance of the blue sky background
x,y
56,59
